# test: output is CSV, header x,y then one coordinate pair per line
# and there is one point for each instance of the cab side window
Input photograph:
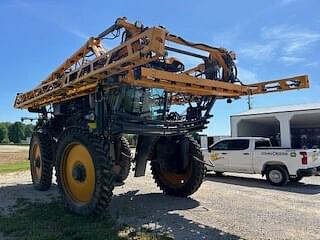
x,y
223,145
262,144
239,144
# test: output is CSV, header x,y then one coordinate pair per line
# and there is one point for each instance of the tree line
x,y
18,131
15,132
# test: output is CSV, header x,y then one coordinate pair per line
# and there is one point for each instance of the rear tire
x,y
180,184
277,175
84,172
41,163
123,159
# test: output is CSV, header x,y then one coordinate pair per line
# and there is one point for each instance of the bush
x,y
3,132
16,132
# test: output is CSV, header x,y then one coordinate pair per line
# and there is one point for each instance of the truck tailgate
x,y
313,157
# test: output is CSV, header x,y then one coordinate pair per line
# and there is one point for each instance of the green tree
x,y
28,128
16,132
3,132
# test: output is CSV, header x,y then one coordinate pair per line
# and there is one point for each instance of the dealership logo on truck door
x,y
215,157
274,153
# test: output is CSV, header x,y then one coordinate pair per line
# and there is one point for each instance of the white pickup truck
x,y
256,155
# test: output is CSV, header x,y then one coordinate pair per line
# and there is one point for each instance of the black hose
x,y
115,35
196,44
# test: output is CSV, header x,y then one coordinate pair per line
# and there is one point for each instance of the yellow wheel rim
x,y
78,173
36,161
175,180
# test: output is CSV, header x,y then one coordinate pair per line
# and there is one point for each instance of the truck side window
x,y
262,144
239,144
223,145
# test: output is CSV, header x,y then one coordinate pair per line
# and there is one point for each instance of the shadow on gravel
x,y
299,187
9,195
156,211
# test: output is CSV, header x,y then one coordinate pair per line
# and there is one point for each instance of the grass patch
x,y
14,167
51,221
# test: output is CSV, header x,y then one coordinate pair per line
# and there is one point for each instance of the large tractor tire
x,y
84,172
180,183
123,160
41,163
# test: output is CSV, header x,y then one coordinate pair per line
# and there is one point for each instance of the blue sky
x,y
272,39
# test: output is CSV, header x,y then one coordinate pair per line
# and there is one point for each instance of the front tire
x,y
41,163
184,183
277,175
84,172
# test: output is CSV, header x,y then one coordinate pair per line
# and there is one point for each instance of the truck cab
x,y
235,154
255,155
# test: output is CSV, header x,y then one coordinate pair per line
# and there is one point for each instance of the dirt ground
x,y
234,206
12,153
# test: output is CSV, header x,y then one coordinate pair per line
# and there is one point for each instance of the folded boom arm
x,y
135,62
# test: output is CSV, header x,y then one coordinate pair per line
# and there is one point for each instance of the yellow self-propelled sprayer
x,y
97,95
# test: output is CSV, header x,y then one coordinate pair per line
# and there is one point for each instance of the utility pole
x,y
249,102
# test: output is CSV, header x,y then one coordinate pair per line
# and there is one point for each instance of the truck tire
x,y
277,175
84,172
123,159
41,163
295,179
182,184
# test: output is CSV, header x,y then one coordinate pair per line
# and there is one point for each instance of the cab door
x,y
218,153
240,156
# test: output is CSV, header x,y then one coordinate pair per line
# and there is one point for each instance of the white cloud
x,y
246,76
75,32
259,51
288,44
292,40
313,64
61,23
291,60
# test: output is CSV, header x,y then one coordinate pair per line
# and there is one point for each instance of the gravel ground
x,y
234,206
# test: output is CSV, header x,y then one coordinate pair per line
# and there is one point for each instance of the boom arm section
x,y
183,83
141,59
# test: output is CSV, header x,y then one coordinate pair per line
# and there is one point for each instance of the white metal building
x,y
295,126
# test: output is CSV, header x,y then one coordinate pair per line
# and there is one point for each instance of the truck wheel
x,y
123,159
40,155
295,179
180,184
84,172
277,175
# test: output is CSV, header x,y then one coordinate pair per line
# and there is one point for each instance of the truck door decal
x,y
274,153
215,157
